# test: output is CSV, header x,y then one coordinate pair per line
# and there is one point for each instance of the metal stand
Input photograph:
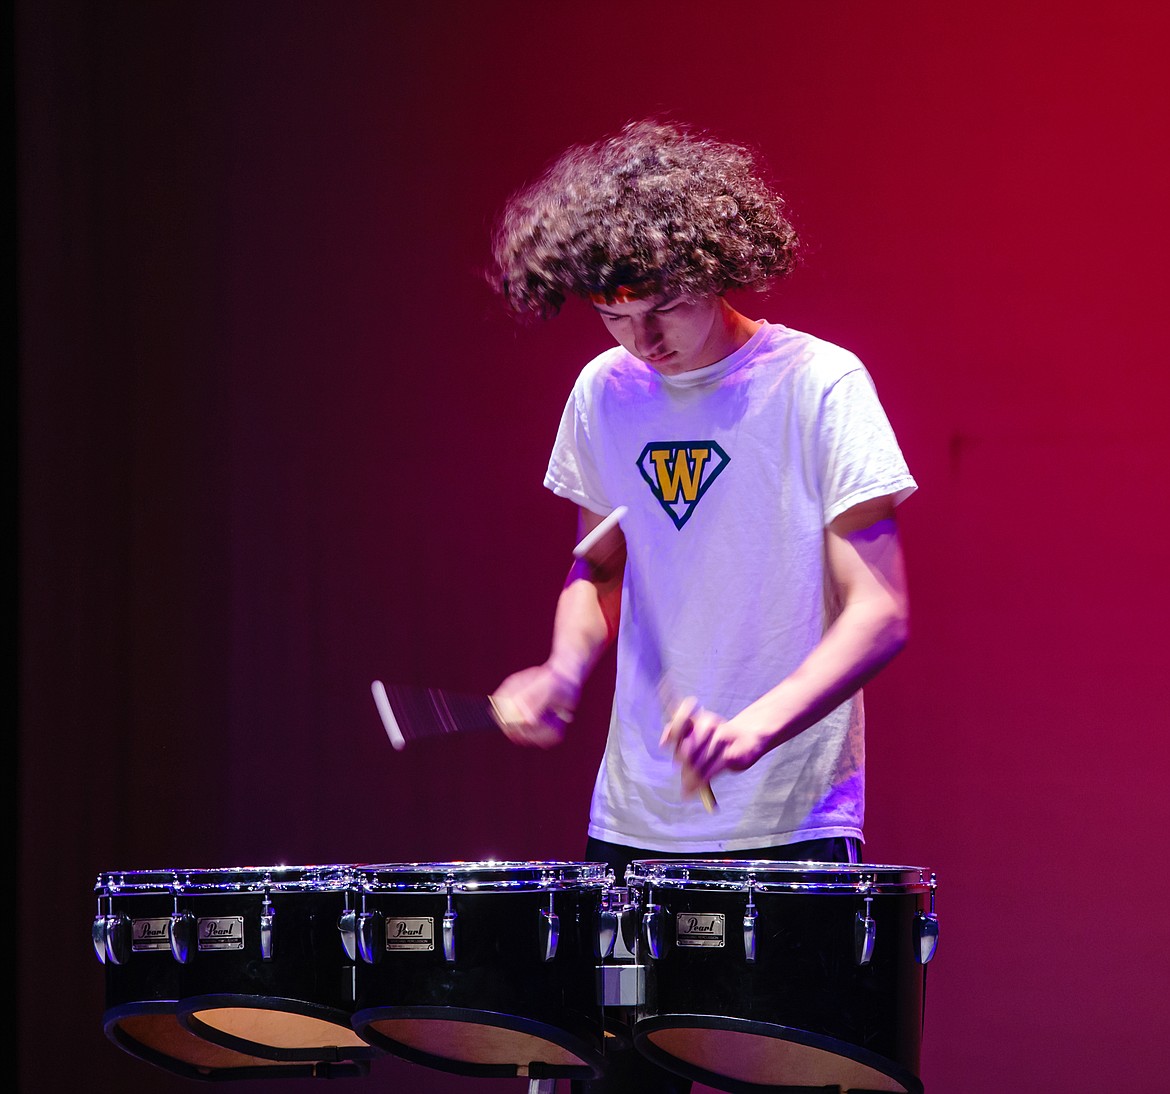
x,y
542,1086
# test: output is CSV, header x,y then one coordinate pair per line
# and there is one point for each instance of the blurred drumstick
x,y
597,546
410,713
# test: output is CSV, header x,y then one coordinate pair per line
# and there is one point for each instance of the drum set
x,y
743,975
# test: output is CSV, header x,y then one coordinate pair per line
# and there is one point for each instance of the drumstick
x,y
682,711
382,702
409,713
592,549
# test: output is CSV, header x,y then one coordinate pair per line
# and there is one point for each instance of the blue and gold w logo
x,y
679,473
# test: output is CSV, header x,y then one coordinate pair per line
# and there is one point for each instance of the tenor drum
x,y
234,973
792,974
482,968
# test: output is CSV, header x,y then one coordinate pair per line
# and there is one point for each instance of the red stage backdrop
x,y
278,439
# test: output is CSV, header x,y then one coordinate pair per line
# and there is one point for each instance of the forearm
x,y
866,568
539,702
585,623
863,639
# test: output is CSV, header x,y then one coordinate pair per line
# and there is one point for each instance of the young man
x,y
757,581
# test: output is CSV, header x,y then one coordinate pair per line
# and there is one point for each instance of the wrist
x,y
764,727
569,672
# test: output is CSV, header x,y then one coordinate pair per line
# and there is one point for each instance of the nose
x,y
647,337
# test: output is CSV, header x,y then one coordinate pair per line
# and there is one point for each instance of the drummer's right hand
x,y
535,705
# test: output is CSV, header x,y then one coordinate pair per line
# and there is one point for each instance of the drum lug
x,y
652,920
99,937
183,933
925,936
449,918
117,931
864,934
267,921
371,936
614,922
347,927
607,926
550,933
749,931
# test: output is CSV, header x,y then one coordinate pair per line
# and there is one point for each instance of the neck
x,y
736,329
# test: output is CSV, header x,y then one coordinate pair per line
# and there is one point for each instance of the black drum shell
x,y
805,975
308,961
147,975
499,976
153,1001
498,965
805,984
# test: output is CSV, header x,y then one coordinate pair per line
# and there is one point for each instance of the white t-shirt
x,y
730,474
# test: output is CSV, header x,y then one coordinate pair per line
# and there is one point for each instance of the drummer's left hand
x,y
706,743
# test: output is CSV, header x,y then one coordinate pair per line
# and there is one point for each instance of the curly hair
x,y
656,207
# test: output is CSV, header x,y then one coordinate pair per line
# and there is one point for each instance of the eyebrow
x,y
604,309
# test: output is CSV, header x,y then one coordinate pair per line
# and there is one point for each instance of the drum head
x,y
755,1057
152,1032
481,877
479,1043
231,879
273,1029
766,876
261,879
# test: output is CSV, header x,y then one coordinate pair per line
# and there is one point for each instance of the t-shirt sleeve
x,y
858,455
572,467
